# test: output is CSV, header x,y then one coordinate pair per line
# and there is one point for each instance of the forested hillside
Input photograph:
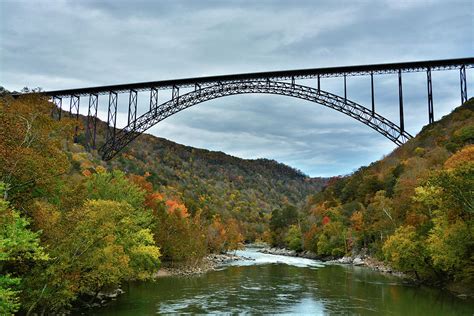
x,y
414,208
218,184
212,183
72,225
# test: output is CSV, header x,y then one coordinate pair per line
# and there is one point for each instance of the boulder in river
x,y
358,261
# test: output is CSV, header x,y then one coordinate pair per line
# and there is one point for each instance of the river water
x,y
284,285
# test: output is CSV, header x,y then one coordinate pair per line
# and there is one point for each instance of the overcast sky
x,y
69,44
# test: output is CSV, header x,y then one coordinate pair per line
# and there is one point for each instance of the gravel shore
x,y
209,263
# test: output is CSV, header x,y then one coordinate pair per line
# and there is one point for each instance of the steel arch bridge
x,y
161,112
277,82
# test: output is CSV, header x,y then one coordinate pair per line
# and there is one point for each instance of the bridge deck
x,y
358,70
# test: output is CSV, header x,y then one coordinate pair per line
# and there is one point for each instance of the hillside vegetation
x,y
217,184
72,225
414,208
210,183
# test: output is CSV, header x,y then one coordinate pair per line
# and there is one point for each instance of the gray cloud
x,y
65,44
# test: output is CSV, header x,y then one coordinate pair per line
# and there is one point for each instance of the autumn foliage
x,y
414,208
31,147
73,225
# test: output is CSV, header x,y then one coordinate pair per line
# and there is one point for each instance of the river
x,y
284,285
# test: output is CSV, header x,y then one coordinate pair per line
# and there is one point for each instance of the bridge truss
x,y
275,82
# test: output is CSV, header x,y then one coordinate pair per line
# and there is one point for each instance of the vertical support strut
x,y
58,107
175,94
91,125
319,84
462,76
132,108
154,99
73,104
400,100
112,116
372,92
197,87
345,89
74,112
430,96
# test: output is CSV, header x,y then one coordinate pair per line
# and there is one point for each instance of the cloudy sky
x,y
68,44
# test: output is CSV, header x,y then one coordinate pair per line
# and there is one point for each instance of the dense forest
x,y
414,208
73,225
215,184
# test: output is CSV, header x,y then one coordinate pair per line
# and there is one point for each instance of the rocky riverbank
x,y
209,263
356,260
291,253
368,262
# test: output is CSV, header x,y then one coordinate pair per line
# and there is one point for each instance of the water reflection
x,y
274,285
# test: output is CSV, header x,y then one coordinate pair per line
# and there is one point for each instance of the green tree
x,y
379,220
281,219
449,195
294,238
97,246
457,189
406,252
19,249
450,246
9,300
115,186
332,240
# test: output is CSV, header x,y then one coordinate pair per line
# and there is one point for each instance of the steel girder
x,y
462,77
74,112
112,116
221,89
329,72
429,84
91,124
132,107
153,99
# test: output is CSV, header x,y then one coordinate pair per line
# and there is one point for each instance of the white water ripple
x,y
263,258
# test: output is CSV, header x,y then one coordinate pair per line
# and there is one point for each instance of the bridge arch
x,y
221,89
